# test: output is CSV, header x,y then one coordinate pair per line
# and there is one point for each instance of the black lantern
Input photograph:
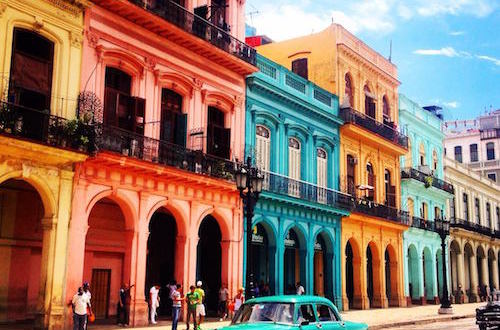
x,y
249,183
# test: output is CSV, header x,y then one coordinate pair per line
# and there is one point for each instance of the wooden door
x,y
101,282
319,282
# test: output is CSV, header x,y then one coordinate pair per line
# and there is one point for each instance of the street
x,y
461,324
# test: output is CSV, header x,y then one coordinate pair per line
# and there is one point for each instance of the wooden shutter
x,y
138,115
262,148
180,129
322,169
110,107
294,162
391,196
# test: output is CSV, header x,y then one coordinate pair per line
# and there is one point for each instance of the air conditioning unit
x,y
424,169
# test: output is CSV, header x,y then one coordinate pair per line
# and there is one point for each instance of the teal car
x,y
290,312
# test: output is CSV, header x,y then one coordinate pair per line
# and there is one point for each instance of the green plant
x,y
70,127
428,181
84,140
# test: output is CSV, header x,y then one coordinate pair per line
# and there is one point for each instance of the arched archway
x,y
264,254
209,261
492,282
294,263
428,261
454,255
482,267
353,274
391,276
373,287
107,255
413,273
468,287
21,251
323,266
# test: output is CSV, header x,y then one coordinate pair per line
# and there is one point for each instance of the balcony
x,y
424,224
284,185
412,173
163,17
164,153
475,227
349,115
368,207
42,127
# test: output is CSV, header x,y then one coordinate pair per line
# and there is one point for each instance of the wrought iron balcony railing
x,y
283,185
349,115
42,127
421,223
475,227
199,27
163,153
380,211
428,180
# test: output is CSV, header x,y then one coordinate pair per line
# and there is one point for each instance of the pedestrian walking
x,y
239,299
90,316
80,304
223,295
176,306
300,289
154,302
192,299
200,308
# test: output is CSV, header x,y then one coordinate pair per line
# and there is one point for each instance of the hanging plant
x,y
428,181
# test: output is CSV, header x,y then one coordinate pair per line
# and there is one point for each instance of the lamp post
x,y
443,229
249,183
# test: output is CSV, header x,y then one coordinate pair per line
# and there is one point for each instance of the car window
x,y
306,313
325,313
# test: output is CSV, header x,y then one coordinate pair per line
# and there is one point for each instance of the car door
x,y
306,317
327,318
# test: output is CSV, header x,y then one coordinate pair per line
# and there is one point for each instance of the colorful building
x,y
370,147
292,130
41,44
475,232
424,196
157,201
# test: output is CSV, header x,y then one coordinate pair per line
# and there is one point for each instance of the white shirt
x,y
300,290
89,296
154,296
80,302
176,297
223,293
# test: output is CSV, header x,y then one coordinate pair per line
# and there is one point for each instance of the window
x,y
458,154
370,181
490,151
452,208
370,109
294,158
408,156
477,210
473,153
424,211
437,213
218,13
263,147
322,162
306,313
351,182
299,67
488,214
492,176
349,90
325,313
435,161
410,207
386,111
390,191
421,151
465,201
173,121
218,137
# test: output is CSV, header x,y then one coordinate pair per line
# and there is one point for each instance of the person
x,y
176,305
123,305
86,292
154,302
267,290
200,308
80,303
239,299
223,294
300,289
192,299
171,287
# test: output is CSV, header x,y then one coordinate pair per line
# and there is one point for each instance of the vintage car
x,y
488,317
290,312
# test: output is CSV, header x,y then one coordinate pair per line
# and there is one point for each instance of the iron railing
x,y
475,227
412,173
164,153
368,207
421,223
349,115
199,27
42,127
283,185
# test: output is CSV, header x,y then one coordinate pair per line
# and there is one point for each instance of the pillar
x,y
495,273
473,297
137,264
420,268
435,289
360,298
485,274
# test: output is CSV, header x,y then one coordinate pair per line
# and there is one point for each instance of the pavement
x,y
417,317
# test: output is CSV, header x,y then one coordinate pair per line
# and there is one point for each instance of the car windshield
x,y
265,312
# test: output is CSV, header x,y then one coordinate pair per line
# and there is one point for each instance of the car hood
x,y
355,326
256,326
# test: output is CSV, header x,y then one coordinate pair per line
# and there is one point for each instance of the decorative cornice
x,y
74,7
3,8
76,39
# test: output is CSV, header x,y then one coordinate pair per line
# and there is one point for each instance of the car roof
x,y
291,299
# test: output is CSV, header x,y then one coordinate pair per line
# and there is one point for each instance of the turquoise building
x,y
424,195
292,133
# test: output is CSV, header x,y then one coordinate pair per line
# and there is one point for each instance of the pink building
x,y
157,202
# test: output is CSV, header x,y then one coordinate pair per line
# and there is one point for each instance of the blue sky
x,y
447,51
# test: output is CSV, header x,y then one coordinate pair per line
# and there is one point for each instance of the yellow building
x,y
40,63
371,145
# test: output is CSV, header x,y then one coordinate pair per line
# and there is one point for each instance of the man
x,y
223,294
200,308
300,289
154,302
192,299
176,306
86,292
80,303
124,304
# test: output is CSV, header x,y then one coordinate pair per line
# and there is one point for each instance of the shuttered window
x,y
322,161
173,121
219,137
263,147
294,158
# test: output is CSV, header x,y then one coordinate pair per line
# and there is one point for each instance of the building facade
x,y
476,142
293,133
370,147
424,195
475,232
157,201
40,143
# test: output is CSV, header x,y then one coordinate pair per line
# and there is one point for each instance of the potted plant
x,y
69,131
83,143
428,181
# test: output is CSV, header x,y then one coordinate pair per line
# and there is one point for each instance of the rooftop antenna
x,y
252,13
390,52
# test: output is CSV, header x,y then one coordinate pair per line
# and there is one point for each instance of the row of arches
x,y
424,274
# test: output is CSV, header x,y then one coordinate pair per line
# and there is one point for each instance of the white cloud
x,y
478,8
405,12
494,60
445,51
457,33
451,104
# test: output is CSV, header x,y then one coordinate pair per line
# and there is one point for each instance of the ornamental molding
x,y
93,38
74,7
76,39
3,8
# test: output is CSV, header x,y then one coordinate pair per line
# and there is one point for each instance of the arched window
x,y
424,211
349,89
351,170
421,151
437,213
219,137
408,156
390,190
410,207
490,151
294,158
435,161
465,205
322,162
370,181
173,121
387,110
369,103
263,147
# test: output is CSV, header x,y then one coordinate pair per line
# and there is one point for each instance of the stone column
x,y
473,297
360,289
420,267
485,274
435,289
138,304
495,274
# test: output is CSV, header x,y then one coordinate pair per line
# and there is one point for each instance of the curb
x,y
422,321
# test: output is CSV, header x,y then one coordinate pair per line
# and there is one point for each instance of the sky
x,y
447,51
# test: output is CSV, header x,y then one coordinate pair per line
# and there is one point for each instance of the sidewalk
x,y
375,318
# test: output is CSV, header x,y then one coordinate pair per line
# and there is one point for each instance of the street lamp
x,y
249,183
443,229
